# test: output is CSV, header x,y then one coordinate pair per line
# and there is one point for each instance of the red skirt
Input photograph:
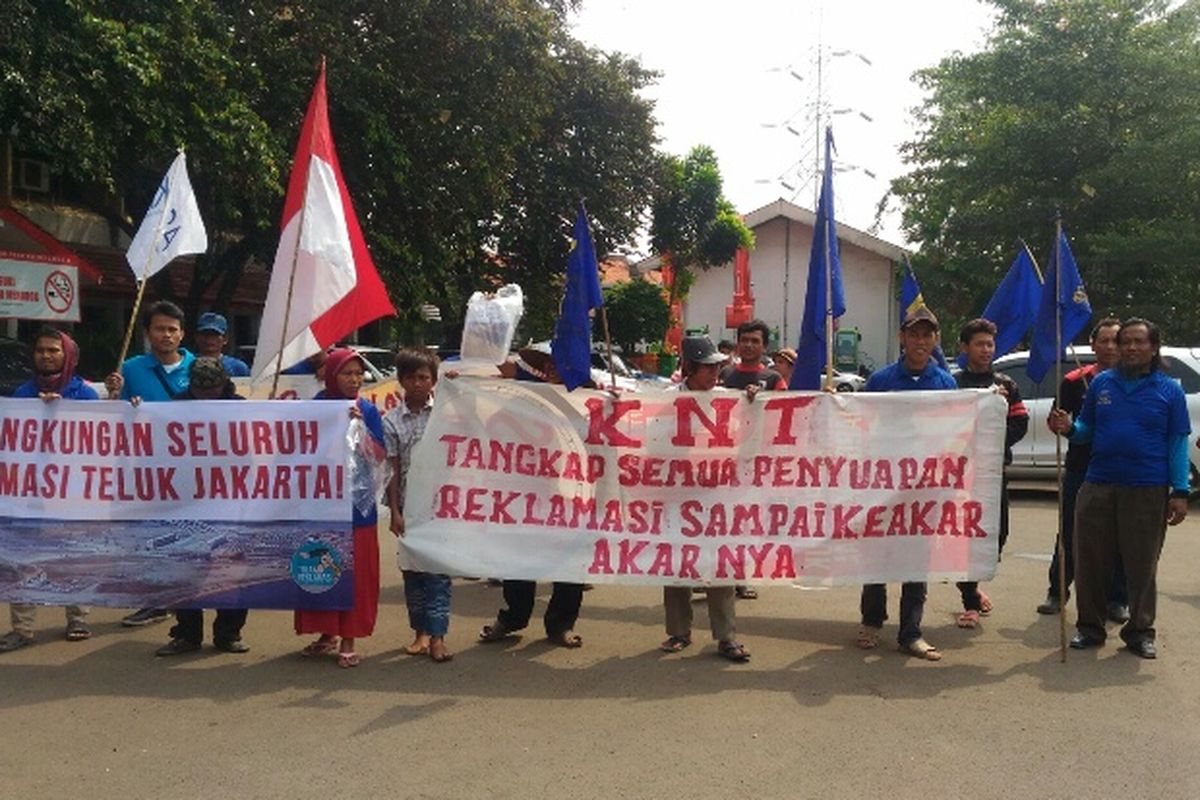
x,y
359,620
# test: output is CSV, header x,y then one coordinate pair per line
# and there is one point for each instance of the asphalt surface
x,y
809,716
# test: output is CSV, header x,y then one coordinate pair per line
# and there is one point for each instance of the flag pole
x,y
287,308
1058,454
612,371
1042,278
137,303
828,274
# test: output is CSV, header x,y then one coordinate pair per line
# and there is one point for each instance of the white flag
x,y
172,226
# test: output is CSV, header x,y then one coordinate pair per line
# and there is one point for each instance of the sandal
x,y
14,641
567,638
409,650
77,631
968,619
734,651
922,649
438,653
675,644
985,603
868,637
348,659
496,632
321,647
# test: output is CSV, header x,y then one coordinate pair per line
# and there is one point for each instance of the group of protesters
x,y
1126,480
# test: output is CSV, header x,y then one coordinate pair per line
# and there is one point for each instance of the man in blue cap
x,y
211,341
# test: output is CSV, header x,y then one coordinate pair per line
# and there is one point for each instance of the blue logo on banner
x,y
316,566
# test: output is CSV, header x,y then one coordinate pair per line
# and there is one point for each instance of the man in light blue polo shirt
x,y
211,330
915,371
1136,419
161,374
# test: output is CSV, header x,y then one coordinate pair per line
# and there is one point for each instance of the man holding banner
x,y
55,357
915,371
701,363
157,376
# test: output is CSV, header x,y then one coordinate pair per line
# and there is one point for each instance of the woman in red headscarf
x,y
344,370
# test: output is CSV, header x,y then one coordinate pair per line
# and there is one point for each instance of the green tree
x,y
637,311
467,130
1088,108
692,223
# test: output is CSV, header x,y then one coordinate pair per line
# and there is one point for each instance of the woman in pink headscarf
x,y
344,370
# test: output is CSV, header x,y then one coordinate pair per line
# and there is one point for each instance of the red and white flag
x,y
335,288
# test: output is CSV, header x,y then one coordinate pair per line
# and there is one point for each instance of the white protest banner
x,y
522,480
218,503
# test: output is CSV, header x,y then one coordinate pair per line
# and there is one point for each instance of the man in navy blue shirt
x,y
915,371
55,357
1137,484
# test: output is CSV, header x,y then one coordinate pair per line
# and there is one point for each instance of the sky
x,y
727,72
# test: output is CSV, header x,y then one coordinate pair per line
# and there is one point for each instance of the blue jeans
x,y
873,605
427,596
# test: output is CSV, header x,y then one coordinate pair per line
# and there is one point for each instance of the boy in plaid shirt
x,y
427,595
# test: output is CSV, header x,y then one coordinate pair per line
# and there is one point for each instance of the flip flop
x,y
734,651
922,649
985,603
14,641
868,637
440,657
967,619
675,644
420,651
77,631
348,659
568,639
495,633
320,648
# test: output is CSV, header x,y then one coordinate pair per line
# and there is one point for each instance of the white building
x,y
779,276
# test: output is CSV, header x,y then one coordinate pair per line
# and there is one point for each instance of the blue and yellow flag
x,y
1071,304
572,344
910,300
825,296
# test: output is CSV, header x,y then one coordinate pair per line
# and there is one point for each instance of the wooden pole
x,y
287,309
137,303
1058,453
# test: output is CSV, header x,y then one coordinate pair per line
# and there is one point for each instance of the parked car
x,y
1034,456
382,359
848,381
15,365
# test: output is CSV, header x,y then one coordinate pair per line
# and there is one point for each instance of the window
x,y
1177,368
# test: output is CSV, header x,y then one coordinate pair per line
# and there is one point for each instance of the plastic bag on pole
x,y
491,323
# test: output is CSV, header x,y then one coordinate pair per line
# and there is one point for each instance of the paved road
x,y
810,716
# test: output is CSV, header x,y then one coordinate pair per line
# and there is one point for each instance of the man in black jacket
x,y
207,380
977,340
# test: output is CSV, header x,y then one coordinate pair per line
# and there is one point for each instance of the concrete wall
x,y
779,275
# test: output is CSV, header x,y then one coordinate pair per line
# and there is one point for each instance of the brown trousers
x,y
678,603
1111,520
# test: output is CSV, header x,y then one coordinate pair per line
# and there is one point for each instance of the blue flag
x,y
822,299
1071,303
1014,306
572,344
910,300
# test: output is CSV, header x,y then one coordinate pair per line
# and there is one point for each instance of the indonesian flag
x,y
322,261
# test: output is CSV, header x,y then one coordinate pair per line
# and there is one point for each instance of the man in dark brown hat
x,y
915,371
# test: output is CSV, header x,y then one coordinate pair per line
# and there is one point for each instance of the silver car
x,y
1034,456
